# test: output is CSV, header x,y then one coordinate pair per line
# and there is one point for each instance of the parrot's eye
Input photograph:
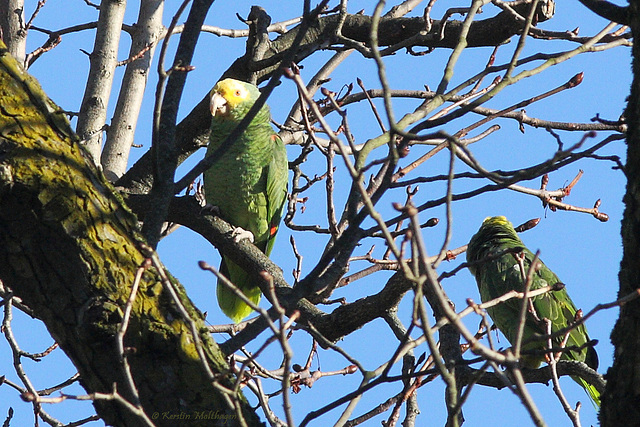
x,y
238,92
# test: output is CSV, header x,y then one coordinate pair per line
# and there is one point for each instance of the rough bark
x,y
69,248
621,401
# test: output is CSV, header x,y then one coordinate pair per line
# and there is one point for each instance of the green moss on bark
x,y
69,248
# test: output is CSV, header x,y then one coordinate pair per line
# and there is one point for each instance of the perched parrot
x,y
498,275
247,185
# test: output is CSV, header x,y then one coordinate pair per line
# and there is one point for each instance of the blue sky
x,y
583,252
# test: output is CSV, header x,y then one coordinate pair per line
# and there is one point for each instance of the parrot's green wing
x,y
248,184
277,177
492,257
276,193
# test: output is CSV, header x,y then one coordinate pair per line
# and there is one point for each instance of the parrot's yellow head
x,y
494,232
496,220
228,94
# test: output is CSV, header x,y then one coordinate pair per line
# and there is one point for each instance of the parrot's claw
x,y
199,194
239,233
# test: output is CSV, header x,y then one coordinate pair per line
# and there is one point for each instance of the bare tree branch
x,y
103,60
119,140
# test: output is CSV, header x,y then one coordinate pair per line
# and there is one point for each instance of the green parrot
x,y
248,184
498,275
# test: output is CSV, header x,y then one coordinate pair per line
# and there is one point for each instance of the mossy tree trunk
x,y
70,249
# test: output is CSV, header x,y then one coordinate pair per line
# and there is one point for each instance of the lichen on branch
x,y
70,250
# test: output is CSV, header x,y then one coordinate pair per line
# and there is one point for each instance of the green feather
x,y
497,273
248,184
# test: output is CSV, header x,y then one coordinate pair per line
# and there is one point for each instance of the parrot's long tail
x,y
593,393
231,305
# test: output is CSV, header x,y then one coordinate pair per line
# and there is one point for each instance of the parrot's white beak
x,y
218,105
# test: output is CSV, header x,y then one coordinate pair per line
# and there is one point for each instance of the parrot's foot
x,y
239,233
199,194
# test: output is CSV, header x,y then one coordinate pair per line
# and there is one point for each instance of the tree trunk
x,y
70,249
620,403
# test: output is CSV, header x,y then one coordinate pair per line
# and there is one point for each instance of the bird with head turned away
x,y
491,255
